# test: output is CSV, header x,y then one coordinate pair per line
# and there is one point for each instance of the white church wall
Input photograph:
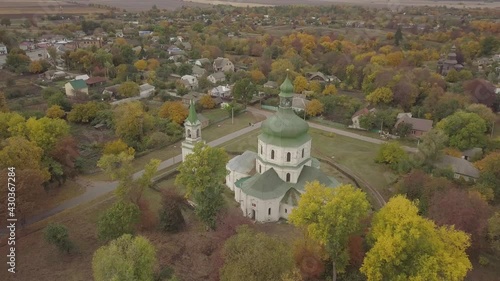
x,y
285,210
265,151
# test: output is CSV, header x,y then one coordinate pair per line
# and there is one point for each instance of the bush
x,y
120,219
171,219
57,234
157,139
484,261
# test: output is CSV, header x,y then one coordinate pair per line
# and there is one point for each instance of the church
x,y
268,183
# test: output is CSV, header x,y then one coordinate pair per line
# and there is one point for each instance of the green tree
x,y
431,146
452,76
489,45
465,130
121,218
406,246
330,216
57,234
489,173
86,112
484,112
128,89
132,123
126,258
45,132
494,231
398,36
5,22
255,256
244,90
203,173
391,153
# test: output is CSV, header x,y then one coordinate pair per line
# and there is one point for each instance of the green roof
x,y
286,88
270,186
192,117
285,124
78,84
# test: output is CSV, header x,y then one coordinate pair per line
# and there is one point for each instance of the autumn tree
x,y
330,90
86,112
57,234
207,102
300,84
314,108
141,65
116,147
126,258
398,36
153,64
35,67
170,214
391,153
380,95
174,110
132,123
65,153
330,216
45,132
128,89
489,173
465,130
55,111
484,112
257,76
494,231
255,256
315,86
406,246
3,103
203,173
244,90
121,218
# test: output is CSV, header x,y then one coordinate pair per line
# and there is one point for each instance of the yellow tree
x,y
54,111
257,76
35,67
330,90
174,110
116,147
141,65
300,84
207,102
330,216
153,64
380,95
129,89
406,246
314,108
315,86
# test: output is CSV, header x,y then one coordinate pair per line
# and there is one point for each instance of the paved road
x,y
96,189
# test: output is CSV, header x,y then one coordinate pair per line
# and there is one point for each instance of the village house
x,y
193,96
357,115
471,154
146,90
202,62
76,86
271,85
462,169
223,65
27,46
97,81
418,126
221,91
216,77
3,49
53,75
322,78
190,82
198,71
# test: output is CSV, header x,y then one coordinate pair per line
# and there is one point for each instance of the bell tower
x,y
192,131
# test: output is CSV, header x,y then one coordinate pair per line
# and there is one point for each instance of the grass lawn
x,y
215,114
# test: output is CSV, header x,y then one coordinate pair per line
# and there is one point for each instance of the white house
x,y
3,49
221,91
190,81
217,77
268,183
223,64
83,77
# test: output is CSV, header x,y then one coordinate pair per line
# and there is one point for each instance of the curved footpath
x,y
95,189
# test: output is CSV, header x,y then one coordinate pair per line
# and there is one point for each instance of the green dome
x,y
285,124
286,88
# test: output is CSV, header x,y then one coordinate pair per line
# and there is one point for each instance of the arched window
x,y
198,133
288,157
260,169
188,133
287,177
302,153
269,211
272,154
286,211
261,150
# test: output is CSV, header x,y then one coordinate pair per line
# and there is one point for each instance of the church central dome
x,y
285,124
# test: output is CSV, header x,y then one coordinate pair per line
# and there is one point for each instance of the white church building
x,y
268,183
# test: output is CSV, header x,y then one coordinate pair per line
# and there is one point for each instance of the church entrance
x,y
253,214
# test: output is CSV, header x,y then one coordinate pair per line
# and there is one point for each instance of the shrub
x,y
57,234
120,219
171,219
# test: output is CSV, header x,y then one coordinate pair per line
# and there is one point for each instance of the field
x,y
45,7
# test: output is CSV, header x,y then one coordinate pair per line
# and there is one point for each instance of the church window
x,y
189,133
288,157
286,211
302,153
198,133
287,177
269,211
272,154
260,169
261,150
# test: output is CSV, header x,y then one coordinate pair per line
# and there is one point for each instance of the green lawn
x,y
215,114
225,127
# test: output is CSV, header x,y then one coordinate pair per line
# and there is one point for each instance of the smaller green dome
x,y
286,88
